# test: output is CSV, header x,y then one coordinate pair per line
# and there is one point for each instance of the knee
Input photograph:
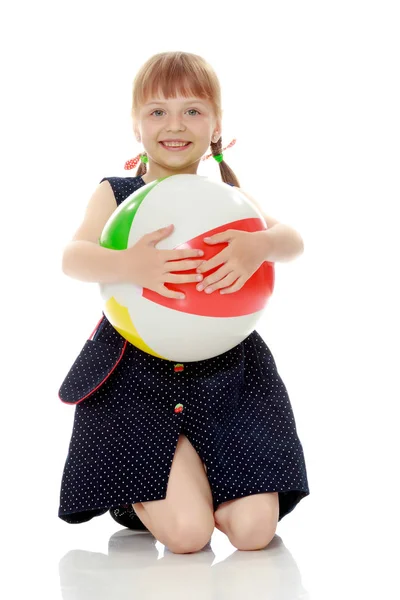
x,y
251,534
188,536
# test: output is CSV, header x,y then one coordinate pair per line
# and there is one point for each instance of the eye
x,y
190,109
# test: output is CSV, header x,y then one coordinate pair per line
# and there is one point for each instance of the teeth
x,y
175,144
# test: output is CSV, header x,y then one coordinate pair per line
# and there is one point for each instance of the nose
x,y
175,123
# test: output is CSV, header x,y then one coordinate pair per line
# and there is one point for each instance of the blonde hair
x,y
180,73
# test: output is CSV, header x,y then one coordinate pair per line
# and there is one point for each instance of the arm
x,y
83,258
87,261
282,243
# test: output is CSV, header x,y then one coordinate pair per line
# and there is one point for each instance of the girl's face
x,y
188,119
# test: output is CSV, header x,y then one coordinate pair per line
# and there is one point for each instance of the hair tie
x,y
131,164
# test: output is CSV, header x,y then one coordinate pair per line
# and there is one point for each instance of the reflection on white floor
x,y
332,549
137,566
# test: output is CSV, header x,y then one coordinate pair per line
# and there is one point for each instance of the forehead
x,y
179,101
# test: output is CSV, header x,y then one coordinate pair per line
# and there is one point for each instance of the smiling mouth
x,y
177,147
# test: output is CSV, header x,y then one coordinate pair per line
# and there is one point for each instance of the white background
x,y
311,92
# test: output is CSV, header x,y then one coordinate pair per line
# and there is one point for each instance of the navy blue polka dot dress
x,y
131,408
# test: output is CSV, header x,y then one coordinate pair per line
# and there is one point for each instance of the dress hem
x,y
293,495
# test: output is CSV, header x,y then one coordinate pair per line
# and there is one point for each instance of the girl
x,y
232,457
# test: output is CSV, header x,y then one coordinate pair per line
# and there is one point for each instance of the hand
x,y
151,268
245,253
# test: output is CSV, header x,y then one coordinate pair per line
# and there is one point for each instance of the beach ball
x,y
200,326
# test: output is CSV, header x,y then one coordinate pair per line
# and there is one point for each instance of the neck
x,y
158,172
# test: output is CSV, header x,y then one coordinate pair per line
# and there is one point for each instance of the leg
x,y
249,522
184,520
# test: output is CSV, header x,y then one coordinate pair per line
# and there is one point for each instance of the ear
x,y
136,133
135,128
219,123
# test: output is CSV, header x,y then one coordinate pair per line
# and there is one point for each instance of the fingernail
x,y
200,253
208,291
199,277
200,287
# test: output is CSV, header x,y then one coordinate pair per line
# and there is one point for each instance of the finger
x,y
156,236
236,287
217,276
215,261
182,278
167,293
180,254
218,238
182,265
222,283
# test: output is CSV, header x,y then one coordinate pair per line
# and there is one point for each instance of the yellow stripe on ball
x,y
120,319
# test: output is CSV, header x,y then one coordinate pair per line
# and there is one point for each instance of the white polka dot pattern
x,y
94,364
233,408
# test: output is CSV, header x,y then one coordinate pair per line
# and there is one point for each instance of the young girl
x,y
231,458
